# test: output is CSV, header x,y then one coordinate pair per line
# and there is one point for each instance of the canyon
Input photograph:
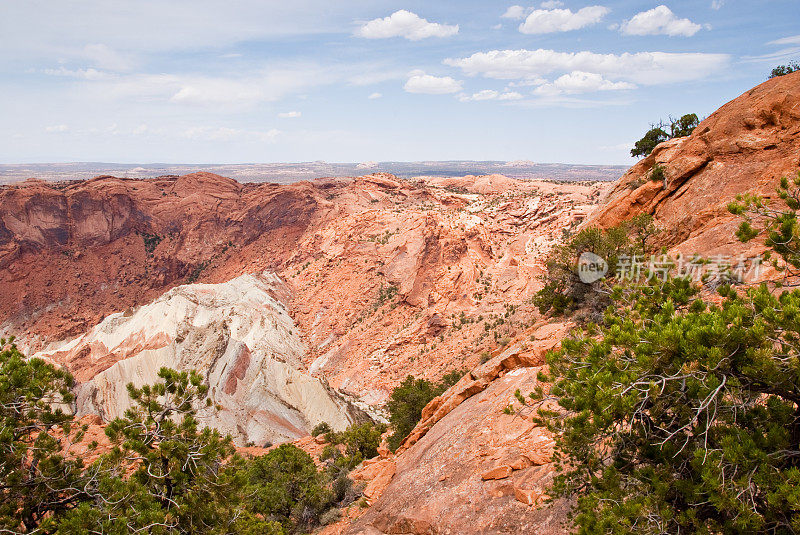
x,y
309,302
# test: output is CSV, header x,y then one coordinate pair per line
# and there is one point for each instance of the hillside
x,y
469,468
380,277
311,301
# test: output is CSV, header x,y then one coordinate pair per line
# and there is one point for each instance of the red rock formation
x,y
468,467
744,147
73,253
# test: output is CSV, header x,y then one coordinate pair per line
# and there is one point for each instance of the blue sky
x,y
264,81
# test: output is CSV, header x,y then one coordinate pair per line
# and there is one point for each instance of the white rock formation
x,y
236,334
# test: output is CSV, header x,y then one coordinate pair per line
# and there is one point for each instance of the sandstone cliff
x,y
744,147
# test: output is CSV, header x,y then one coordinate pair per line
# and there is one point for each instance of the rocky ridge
x,y
746,146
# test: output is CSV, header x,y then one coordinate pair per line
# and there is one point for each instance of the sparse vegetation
x,y
679,415
783,70
321,428
386,294
197,270
151,241
409,398
564,292
684,126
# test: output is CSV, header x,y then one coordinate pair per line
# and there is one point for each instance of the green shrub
x,y
684,126
657,173
409,398
563,291
321,429
288,489
783,70
360,441
649,141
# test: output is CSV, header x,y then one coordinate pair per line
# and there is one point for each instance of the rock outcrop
x,y
744,147
468,467
236,334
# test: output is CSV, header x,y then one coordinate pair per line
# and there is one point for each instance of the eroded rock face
x,y
744,147
468,467
73,253
237,334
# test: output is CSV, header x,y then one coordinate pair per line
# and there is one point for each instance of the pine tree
x,y
37,481
677,415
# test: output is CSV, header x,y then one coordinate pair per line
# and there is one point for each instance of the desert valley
x,y
310,302
384,268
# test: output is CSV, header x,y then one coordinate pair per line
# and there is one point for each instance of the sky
x,y
245,81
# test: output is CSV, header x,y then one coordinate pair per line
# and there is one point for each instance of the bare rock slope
x,y
236,334
744,147
469,468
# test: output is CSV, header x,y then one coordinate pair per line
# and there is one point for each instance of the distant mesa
x,y
367,165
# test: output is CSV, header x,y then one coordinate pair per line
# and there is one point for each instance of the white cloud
x,y
792,40
646,68
375,95
528,82
198,90
56,128
497,27
490,94
717,4
514,12
106,58
562,20
86,74
376,76
290,115
790,51
659,21
419,82
214,91
207,133
551,4
406,24
581,82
